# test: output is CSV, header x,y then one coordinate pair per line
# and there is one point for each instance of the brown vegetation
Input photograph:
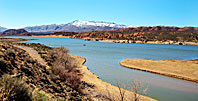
x,y
65,66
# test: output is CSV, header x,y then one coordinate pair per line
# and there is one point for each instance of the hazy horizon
x,y
22,13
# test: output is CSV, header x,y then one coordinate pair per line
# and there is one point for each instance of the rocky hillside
x,y
15,32
156,33
41,82
157,28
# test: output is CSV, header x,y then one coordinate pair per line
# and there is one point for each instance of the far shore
x,y
122,41
185,70
59,36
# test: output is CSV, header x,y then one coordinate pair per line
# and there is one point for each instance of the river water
x,y
103,60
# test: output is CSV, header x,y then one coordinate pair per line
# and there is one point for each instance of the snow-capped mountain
x,y
77,26
98,23
2,29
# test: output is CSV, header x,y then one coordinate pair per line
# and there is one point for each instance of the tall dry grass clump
x,y
14,89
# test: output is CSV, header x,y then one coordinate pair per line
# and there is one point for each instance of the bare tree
x,y
117,97
136,87
122,91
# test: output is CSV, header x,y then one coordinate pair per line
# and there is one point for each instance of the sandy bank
x,y
185,70
101,86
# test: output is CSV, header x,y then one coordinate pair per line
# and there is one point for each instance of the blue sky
x,y
21,13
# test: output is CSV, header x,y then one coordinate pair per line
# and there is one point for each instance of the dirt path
x,y
33,53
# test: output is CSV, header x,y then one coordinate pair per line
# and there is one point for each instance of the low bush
x,y
64,66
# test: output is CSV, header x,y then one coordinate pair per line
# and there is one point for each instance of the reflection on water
x,y
103,60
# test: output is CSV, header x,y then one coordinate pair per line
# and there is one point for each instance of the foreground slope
x,y
17,62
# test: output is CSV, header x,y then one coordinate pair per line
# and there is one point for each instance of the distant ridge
x,y
158,28
156,33
77,26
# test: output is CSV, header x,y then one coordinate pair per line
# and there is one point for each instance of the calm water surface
x,y
103,60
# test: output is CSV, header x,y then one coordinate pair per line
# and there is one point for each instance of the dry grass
x,y
14,89
186,70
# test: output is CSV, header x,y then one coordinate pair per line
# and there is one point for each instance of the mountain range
x,y
77,26
87,26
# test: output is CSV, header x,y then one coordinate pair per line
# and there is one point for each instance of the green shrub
x,y
40,97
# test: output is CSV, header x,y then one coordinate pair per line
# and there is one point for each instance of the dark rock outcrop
x,y
16,32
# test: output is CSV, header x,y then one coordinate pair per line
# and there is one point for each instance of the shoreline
x,y
100,85
149,42
121,41
180,69
3,39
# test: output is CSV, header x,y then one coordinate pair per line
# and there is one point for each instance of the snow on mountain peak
x,y
97,23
